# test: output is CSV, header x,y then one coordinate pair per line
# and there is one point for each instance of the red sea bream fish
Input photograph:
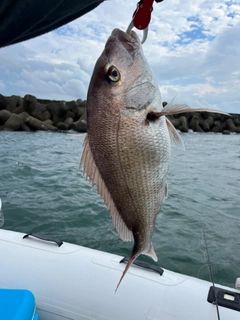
x,y
128,143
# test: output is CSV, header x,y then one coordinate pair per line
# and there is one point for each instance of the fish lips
x,y
122,47
129,41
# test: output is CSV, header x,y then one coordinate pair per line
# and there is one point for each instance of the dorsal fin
x,y
92,173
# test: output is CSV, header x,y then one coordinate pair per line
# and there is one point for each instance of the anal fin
x,y
92,173
151,253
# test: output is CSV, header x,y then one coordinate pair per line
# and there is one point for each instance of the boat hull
x,y
74,282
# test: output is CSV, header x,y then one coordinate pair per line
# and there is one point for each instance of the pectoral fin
x,y
171,108
174,135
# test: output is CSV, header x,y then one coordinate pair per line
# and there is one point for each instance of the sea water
x,y
43,191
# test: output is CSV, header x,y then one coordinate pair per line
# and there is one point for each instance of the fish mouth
x,y
123,36
129,41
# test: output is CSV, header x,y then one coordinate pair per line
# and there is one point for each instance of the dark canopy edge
x,y
21,20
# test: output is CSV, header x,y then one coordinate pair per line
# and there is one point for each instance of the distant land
x,y
33,114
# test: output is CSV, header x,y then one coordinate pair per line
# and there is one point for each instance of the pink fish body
x,y
128,145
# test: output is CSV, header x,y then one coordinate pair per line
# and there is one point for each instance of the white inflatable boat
x,y
73,282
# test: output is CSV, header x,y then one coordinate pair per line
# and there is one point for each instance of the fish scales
x,y
127,148
130,165
130,153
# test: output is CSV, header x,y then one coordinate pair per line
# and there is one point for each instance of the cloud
x,y
192,47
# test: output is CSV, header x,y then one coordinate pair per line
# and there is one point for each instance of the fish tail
x,y
130,261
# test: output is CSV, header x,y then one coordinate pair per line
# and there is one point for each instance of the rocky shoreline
x,y
206,122
32,114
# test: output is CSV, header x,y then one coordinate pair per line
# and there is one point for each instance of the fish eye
x,y
113,74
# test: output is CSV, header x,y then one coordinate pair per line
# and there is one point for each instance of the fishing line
x,y
208,264
1,215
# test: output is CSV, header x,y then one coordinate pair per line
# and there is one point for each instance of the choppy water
x,y
42,191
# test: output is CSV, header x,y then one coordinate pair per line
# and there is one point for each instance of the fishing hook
x,y
145,31
141,17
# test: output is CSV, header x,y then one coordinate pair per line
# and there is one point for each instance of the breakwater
x,y
32,114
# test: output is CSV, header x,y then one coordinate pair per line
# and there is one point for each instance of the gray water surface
x,y
43,191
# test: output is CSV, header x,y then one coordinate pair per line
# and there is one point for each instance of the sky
x,y
193,48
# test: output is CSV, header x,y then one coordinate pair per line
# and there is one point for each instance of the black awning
x,y
25,19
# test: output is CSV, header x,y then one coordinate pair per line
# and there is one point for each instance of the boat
x,y
69,281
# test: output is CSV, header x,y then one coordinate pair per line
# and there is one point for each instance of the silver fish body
x,y
126,154
128,143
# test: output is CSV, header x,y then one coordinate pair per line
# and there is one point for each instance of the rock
x,y
218,126
13,123
46,101
84,115
216,129
194,124
226,132
74,109
215,116
36,124
24,115
223,117
79,101
58,111
47,115
24,127
13,102
42,107
79,126
187,115
71,104
29,103
68,121
231,126
62,126
70,114
18,110
48,121
236,120
175,122
83,104
81,111
3,102
207,123
221,124
183,124
4,116
38,114
33,107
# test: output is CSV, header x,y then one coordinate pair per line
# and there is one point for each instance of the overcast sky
x,y
193,48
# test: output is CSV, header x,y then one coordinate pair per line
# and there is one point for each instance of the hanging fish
x,y
128,143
